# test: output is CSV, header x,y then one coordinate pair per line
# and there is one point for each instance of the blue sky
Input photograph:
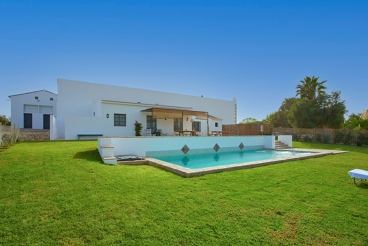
x,y
255,51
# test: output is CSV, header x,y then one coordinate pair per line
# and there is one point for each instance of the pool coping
x,y
187,172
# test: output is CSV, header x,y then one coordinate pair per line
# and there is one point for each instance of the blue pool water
x,y
195,161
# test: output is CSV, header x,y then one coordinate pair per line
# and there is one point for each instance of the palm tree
x,y
310,88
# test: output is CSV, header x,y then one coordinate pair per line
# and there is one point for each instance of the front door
x,y
46,121
27,120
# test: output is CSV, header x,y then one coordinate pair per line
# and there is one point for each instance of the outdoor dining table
x,y
216,133
181,132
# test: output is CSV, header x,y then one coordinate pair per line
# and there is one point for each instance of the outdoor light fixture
x,y
187,118
107,115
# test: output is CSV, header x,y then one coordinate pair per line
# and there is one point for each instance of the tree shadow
x,y
89,155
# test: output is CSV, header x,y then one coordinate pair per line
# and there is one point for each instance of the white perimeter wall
x,y
140,145
83,101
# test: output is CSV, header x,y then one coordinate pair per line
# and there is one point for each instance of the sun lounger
x,y
358,174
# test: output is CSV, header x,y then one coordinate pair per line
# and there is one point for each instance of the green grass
x,y
59,193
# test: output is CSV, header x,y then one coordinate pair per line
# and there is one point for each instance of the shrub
x,y
339,137
295,137
307,138
138,128
348,138
326,139
319,138
362,139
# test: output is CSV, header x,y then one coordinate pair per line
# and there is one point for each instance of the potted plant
x,y
138,128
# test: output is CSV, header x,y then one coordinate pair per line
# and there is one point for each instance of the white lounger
x,y
358,174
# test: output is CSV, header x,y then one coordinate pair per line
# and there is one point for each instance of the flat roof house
x,y
89,108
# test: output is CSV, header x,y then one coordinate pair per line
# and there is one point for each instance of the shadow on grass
x,y
89,155
363,185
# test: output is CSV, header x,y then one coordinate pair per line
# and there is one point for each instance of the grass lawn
x,y
59,193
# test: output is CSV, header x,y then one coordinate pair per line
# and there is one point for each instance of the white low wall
x,y
141,145
53,128
286,139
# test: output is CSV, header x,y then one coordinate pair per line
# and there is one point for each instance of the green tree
x,y
5,121
310,88
269,118
354,122
326,110
250,120
303,114
280,117
333,109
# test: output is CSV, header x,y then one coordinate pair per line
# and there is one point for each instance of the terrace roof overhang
x,y
175,113
160,111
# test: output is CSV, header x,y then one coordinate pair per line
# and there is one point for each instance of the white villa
x,y
83,110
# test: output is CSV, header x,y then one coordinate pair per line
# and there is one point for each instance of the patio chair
x,y
147,132
157,132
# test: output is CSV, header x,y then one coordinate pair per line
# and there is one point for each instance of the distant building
x,y
364,115
33,110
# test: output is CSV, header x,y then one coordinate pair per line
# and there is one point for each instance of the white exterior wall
x,y
83,101
26,103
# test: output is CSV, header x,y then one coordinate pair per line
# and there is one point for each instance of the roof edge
x,y
31,92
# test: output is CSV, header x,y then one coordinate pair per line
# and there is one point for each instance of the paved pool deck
x,y
187,172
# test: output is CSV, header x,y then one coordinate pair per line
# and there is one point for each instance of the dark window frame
x,y
196,126
177,124
151,122
119,119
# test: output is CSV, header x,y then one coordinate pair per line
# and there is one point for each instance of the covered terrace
x,y
184,114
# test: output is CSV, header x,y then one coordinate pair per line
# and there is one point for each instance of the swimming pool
x,y
196,161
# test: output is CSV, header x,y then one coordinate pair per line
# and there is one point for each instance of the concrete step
x,y
111,160
281,145
107,151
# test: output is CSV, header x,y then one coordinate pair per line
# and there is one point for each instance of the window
x,y
36,98
177,124
196,126
216,124
119,119
151,122
51,99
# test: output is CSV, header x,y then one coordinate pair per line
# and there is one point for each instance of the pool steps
x,y
281,145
